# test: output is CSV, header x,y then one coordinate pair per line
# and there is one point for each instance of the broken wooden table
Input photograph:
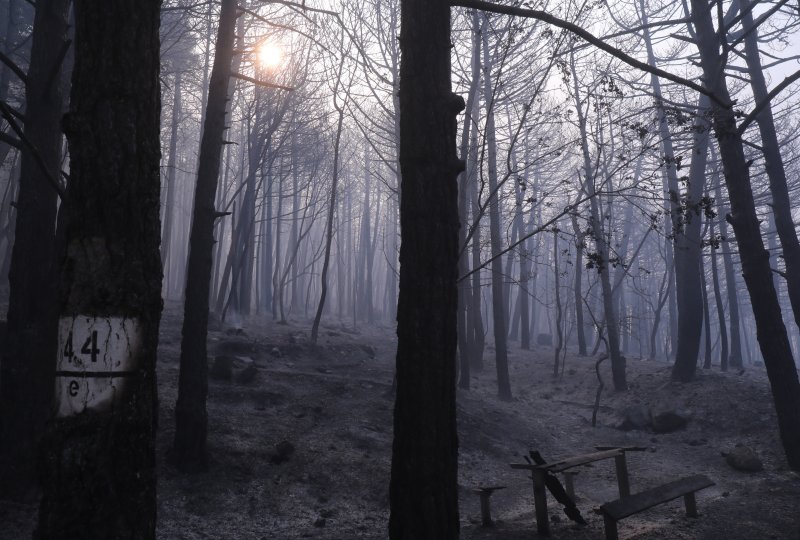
x,y
539,473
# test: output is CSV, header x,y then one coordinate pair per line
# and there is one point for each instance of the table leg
x,y
622,476
540,502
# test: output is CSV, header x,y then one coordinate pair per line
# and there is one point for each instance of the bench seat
x,y
627,506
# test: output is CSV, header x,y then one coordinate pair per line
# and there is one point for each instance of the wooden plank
x,y
564,464
622,508
625,448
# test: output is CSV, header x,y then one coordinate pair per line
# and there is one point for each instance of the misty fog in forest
x,y
406,269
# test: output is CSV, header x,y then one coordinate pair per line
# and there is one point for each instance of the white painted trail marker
x,y
96,356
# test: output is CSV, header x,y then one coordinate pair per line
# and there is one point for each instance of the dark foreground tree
x,y
98,466
26,374
423,491
191,419
772,336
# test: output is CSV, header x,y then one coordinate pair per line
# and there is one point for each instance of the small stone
x,y
283,451
276,352
222,368
636,417
669,421
320,522
744,458
247,375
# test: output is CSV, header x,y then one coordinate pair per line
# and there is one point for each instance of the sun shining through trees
x,y
270,55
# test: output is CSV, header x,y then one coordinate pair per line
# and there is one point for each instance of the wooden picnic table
x,y
540,472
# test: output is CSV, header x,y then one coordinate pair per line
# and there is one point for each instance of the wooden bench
x,y
486,511
539,473
633,504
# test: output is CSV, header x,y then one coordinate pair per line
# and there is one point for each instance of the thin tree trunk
x,y
465,305
559,336
191,420
331,212
723,331
498,305
735,353
172,164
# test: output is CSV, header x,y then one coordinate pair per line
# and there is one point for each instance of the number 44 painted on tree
x,y
93,376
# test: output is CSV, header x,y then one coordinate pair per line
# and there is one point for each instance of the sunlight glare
x,y
269,55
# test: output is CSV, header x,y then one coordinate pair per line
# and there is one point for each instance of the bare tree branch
x,y
7,114
764,102
587,36
265,84
14,67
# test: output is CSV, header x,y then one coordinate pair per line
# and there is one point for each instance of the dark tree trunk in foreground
x,y
191,419
423,492
27,369
98,467
770,329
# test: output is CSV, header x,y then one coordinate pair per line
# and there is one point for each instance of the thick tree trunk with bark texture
x,y
423,493
98,469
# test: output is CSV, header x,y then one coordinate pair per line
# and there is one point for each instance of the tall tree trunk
x,y
465,304
778,186
498,305
191,420
477,333
557,287
688,253
731,284
26,373
331,212
601,244
771,331
706,318
580,245
423,492
723,331
172,164
99,468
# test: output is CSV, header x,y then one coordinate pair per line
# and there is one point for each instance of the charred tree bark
x,y
98,469
423,493
191,420
26,373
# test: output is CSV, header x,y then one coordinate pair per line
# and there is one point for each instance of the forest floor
x,y
304,449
